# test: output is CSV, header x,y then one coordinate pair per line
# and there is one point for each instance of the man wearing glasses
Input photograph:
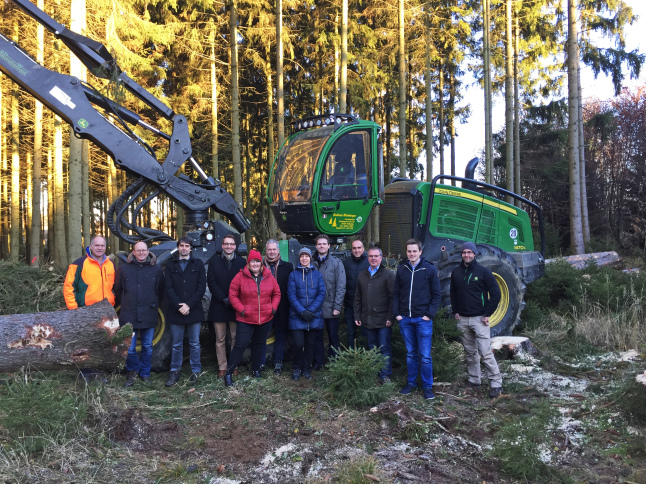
x,y
474,298
373,307
222,269
138,287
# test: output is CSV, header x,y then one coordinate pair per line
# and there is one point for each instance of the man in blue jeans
x,y
416,299
185,284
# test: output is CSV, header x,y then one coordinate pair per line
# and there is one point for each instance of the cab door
x,y
347,182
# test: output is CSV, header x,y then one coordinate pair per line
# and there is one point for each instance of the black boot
x,y
132,376
173,377
228,381
278,367
256,374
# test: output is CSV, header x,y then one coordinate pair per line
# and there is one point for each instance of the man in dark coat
x,y
354,265
416,299
138,287
222,269
185,284
373,307
280,269
475,295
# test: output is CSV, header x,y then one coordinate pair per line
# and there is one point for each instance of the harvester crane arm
x,y
76,102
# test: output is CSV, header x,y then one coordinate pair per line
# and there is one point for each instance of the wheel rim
x,y
501,310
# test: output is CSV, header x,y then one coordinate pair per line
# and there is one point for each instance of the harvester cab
x,y
327,177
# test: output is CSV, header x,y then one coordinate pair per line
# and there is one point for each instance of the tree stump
x,y
508,347
87,337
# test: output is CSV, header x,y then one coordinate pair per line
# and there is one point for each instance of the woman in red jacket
x,y
255,295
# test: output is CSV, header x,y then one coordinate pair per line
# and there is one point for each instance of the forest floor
x,y
568,418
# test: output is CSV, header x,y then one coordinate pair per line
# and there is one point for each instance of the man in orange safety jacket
x,y
90,278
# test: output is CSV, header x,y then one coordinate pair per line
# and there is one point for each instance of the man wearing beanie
x,y
474,298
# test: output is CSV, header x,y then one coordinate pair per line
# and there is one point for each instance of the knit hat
x,y
469,246
304,250
254,255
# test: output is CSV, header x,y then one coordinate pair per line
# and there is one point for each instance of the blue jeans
x,y
380,338
417,334
141,363
334,342
177,333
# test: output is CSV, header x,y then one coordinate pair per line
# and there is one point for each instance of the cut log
x,y
88,337
641,378
611,259
508,347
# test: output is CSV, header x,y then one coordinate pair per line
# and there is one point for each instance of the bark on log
x,y
611,259
88,337
508,347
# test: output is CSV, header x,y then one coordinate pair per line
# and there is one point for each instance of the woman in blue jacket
x,y
306,293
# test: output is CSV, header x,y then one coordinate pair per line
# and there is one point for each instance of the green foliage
x,y
631,398
354,471
35,413
418,433
447,351
519,442
353,375
123,333
25,289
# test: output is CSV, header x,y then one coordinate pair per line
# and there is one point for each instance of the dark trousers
x,y
332,327
304,347
256,334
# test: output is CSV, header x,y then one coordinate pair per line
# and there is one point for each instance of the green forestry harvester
x,y
328,177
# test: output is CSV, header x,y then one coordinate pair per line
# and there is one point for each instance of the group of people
x,y
249,297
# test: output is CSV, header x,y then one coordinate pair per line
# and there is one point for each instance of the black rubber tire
x,y
508,276
162,345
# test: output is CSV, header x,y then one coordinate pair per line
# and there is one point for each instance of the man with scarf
x,y
280,269
222,269
354,265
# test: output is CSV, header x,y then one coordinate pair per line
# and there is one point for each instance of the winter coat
x,y
283,270
88,282
305,290
138,288
334,277
353,267
474,290
186,287
373,300
219,277
258,301
416,292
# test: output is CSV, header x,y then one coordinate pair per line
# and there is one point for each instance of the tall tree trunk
x,y
429,100
28,207
402,93
584,190
215,168
59,203
267,216
576,227
15,232
509,100
235,108
113,194
51,201
452,121
75,195
35,245
517,186
337,65
344,57
388,147
280,101
440,119
4,196
486,58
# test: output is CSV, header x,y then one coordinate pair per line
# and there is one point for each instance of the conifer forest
x,y
242,71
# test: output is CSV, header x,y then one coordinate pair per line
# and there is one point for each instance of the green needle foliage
x,y
353,374
25,289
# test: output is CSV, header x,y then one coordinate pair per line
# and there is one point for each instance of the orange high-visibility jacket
x,y
88,282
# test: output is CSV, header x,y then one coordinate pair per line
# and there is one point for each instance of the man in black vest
x,y
222,269
280,270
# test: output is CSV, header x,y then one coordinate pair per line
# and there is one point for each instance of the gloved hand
x,y
273,311
307,315
226,302
242,313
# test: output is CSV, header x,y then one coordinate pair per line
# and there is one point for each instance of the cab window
x,y
346,174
